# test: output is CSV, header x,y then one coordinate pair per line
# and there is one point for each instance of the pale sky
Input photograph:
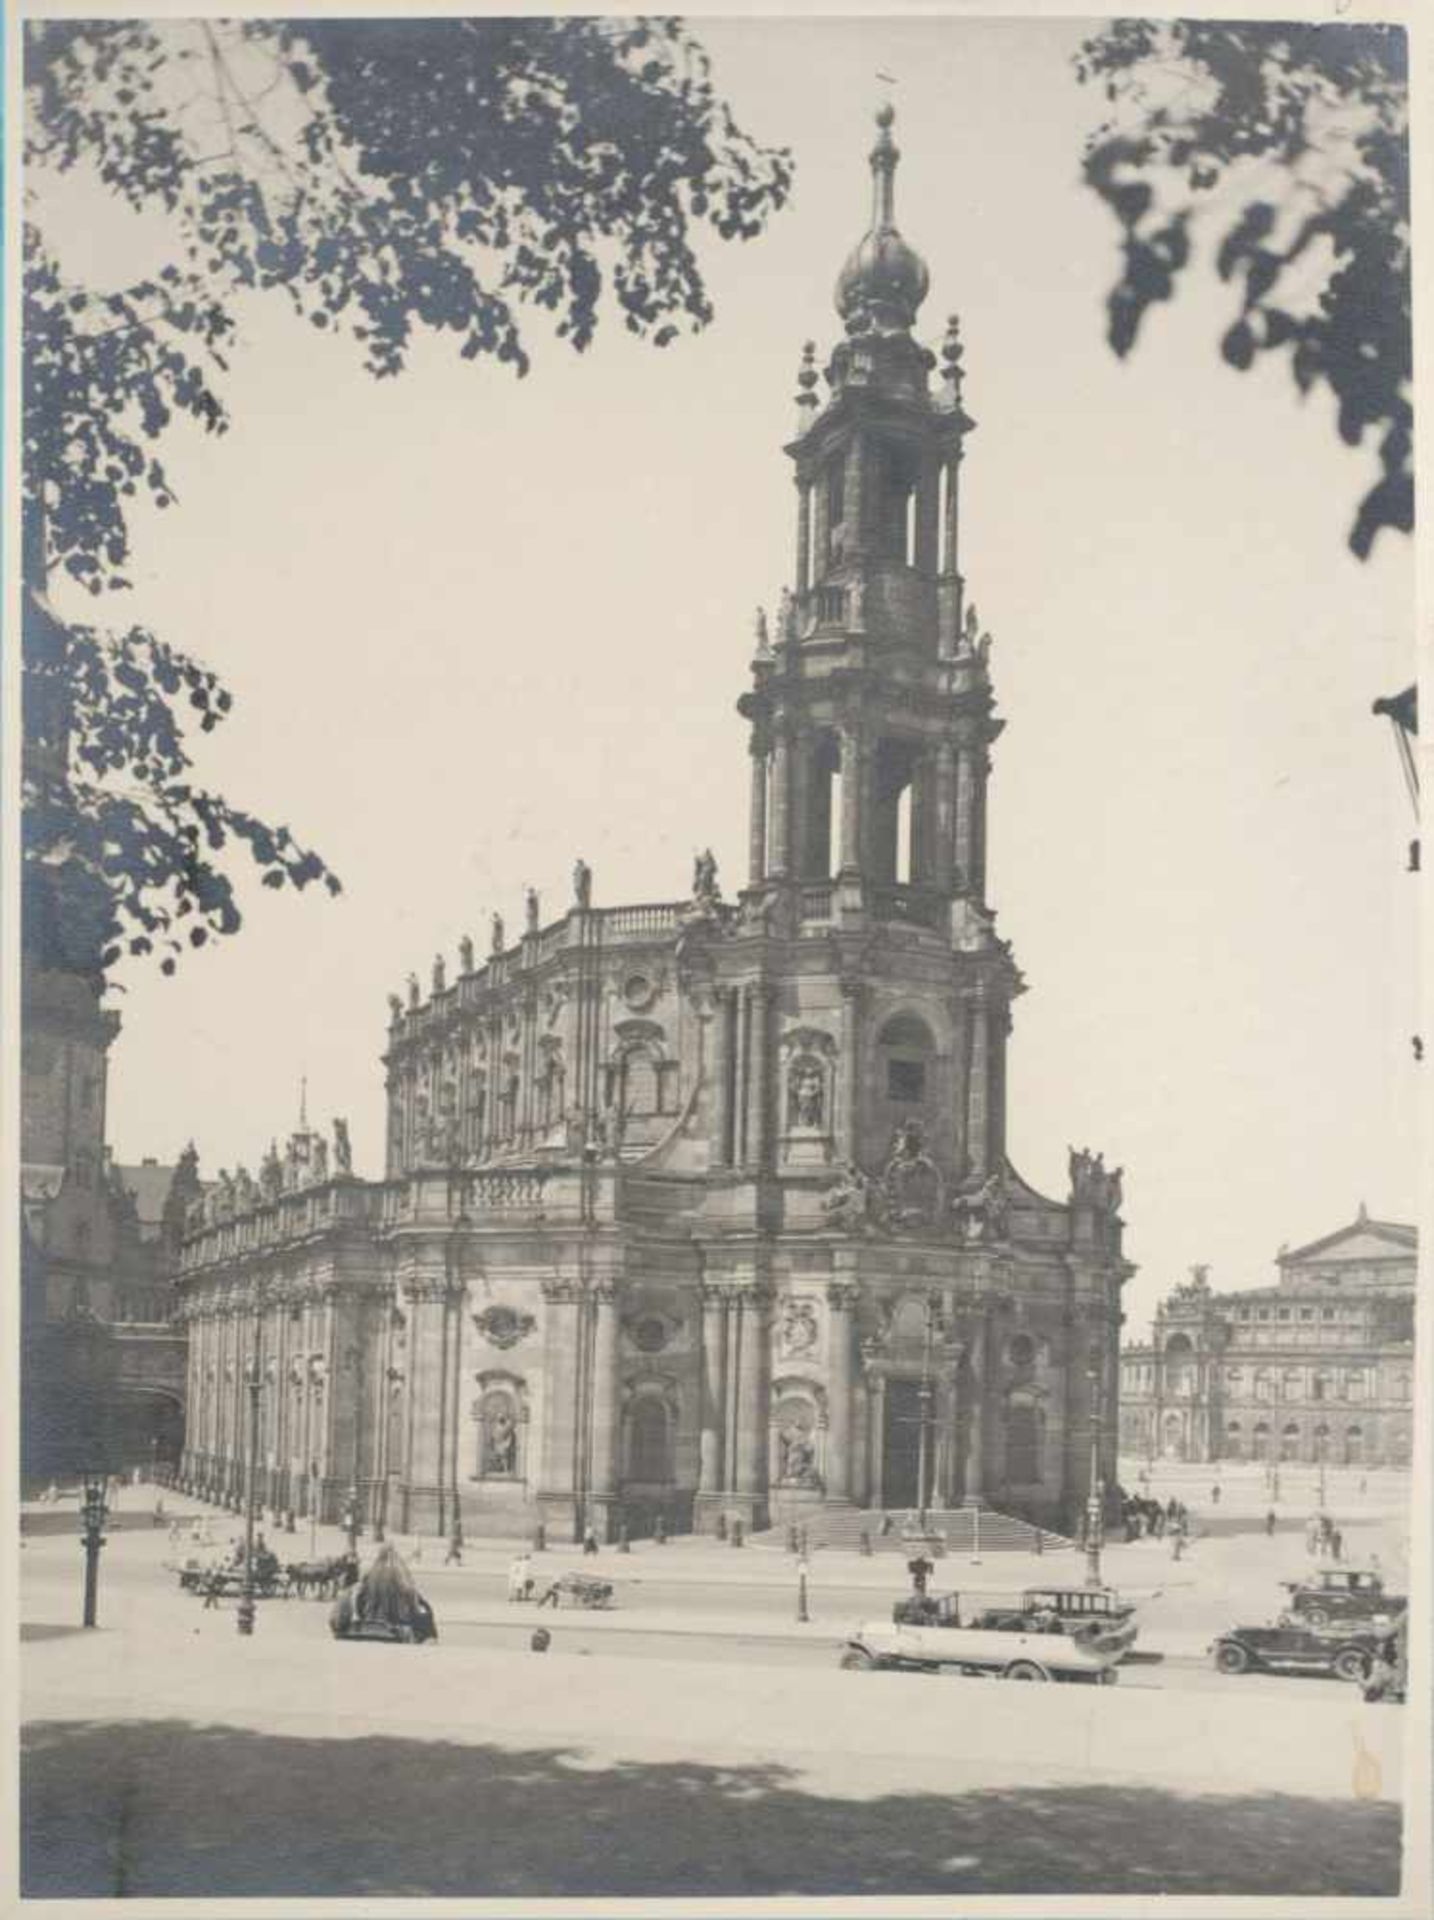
x,y
476,627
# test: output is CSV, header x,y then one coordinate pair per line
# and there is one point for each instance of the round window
x,y
638,991
650,1334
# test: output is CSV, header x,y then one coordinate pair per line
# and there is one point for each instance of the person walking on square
x,y
1336,1544
1270,1523
454,1555
520,1578
921,1570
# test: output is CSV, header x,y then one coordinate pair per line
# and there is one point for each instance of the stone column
x,y
757,813
711,1478
965,832
876,1431
852,993
779,841
804,539
722,1077
606,1404
851,757
977,1088
556,1488
757,1077
841,1298
855,497
817,494
982,770
944,850
751,1439
428,1390
975,1474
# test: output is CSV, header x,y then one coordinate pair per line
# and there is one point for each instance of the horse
x,y
322,1578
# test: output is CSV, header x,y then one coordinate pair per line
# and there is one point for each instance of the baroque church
x,y
700,1210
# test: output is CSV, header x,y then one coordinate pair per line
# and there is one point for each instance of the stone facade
x,y
703,1208
102,1363
1318,1367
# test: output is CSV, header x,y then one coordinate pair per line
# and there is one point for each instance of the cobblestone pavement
x,y
165,1756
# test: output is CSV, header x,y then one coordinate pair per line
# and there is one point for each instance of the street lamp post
x,y
802,1615
924,1400
1094,1517
92,1518
246,1598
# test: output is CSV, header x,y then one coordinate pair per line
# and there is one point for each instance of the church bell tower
x,y
871,709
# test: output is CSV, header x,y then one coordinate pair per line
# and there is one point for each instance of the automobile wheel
x,y
856,1660
1025,1670
1316,1616
1109,1676
1351,1663
1231,1657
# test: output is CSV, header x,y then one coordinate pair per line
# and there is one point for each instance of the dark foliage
x,y
389,177
1296,138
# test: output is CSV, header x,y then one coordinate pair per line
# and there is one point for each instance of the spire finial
x,y
884,280
884,157
303,1103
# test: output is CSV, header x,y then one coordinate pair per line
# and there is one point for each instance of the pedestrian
x,y
211,1589
454,1555
1336,1544
1363,1484
1215,1494
159,1511
1178,1549
921,1570
1270,1523
590,1542
520,1577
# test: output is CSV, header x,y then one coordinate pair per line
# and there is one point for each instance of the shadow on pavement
x,y
48,1630
168,1807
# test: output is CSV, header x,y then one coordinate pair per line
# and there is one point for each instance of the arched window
x,y
649,1443
1262,1440
1234,1440
1023,1444
1022,1350
1264,1385
1290,1440
1353,1446
906,1048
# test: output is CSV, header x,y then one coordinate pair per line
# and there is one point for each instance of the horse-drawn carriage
x,y
224,1580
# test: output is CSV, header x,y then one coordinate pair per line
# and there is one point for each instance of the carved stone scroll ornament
x,y
912,1181
503,1327
797,1329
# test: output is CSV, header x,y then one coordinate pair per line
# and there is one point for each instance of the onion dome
x,y
884,280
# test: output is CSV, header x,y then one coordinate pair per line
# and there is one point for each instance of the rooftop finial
x,y
884,157
303,1103
884,280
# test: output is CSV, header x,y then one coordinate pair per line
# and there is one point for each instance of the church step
x,y
961,1529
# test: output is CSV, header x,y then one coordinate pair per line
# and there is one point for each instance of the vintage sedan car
x,y
1291,1645
1004,1641
1110,1610
1342,1593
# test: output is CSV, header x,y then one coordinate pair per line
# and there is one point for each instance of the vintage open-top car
x,y
1342,1593
1297,1646
1005,1640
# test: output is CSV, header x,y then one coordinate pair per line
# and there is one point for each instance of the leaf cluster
x,y
1296,137
387,177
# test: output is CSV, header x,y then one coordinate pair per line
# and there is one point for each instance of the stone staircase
x,y
965,1530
